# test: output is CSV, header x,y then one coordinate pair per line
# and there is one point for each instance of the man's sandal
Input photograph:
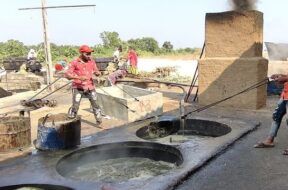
x,y
263,145
285,152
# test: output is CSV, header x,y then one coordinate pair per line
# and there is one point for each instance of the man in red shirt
x,y
280,111
81,71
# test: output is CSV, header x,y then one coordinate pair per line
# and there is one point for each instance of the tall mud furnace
x,y
233,59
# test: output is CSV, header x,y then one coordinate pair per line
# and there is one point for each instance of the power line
x,y
48,57
55,7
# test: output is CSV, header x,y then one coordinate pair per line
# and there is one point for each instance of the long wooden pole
x,y
48,57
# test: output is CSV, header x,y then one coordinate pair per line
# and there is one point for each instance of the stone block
x,y
220,78
119,102
234,34
17,81
16,76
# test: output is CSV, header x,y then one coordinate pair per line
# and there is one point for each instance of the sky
x,y
179,21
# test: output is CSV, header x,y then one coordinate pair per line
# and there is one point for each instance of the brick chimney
x,y
233,60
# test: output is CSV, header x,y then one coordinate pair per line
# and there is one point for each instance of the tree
x,y
14,48
145,44
186,50
167,46
70,51
110,39
150,44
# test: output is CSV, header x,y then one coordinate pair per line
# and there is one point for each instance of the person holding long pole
x,y
81,71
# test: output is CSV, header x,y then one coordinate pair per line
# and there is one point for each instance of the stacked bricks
x,y
233,60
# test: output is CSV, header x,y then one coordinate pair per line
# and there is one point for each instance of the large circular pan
x,y
121,161
165,126
35,187
204,128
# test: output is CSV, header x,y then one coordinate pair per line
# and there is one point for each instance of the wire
x,y
261,83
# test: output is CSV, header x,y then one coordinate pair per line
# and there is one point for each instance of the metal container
x,y
15,132
103,63
130,103
56,132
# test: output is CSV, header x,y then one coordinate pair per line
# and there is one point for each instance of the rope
x,y
258,84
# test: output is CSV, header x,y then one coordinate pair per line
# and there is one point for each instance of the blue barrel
x,y
57,132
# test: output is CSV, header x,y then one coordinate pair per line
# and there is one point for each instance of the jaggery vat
x,y
15,133
233,59
57,132
130,103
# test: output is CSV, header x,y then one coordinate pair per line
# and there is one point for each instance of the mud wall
x,y
233,59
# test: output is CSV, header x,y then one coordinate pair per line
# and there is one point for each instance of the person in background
x,y
132,59
121,66
31,54
60,65
81,71
277,115
121,72
3,72
116,54
32,65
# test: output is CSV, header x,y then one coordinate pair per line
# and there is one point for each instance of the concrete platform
x,y
39,167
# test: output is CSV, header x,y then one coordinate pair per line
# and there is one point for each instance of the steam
x,y
277,51
243,4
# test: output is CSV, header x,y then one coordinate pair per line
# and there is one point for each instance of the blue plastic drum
x,y
57,132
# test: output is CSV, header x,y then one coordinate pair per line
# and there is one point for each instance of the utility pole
x,y
48,57
47,49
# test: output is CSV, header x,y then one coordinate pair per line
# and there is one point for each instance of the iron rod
x,y
258,84
44,88
194,76
56,90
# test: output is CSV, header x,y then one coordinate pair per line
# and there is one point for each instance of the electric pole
x,y
47,50
48,57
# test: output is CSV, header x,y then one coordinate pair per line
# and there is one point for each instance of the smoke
x,y
243,4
